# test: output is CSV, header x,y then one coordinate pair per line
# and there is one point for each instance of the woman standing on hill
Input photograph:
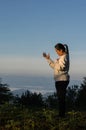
x,y
61,76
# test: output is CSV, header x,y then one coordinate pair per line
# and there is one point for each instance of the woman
x,y
61,76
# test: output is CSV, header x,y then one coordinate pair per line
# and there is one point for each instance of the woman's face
x,y
59,52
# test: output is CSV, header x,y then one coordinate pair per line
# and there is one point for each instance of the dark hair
x,y
60,46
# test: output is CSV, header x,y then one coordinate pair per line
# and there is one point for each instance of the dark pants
x,y
61,93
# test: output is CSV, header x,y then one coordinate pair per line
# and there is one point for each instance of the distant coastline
x,y
38,84
40,89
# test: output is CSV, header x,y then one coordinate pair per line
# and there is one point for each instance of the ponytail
x,y
66,48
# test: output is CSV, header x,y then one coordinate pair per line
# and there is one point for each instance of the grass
x,y
15,118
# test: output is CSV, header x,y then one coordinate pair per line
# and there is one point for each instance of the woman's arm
x,y
49,60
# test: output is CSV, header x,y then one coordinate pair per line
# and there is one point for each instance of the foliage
x,y
5,94
16,118
52,101
29,99
81,98
32,112
71,97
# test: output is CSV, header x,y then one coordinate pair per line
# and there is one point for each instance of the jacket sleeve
x,y
51,63
59,64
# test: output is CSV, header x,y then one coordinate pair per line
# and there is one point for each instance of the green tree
x,y
52,101
71,97
5,94
82,95
29,99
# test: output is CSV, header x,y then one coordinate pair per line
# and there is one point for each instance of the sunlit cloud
x,y
78,67
23,65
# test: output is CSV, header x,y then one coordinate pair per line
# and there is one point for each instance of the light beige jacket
x,y
61,68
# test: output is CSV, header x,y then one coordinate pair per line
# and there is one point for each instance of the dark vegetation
x,y
32,111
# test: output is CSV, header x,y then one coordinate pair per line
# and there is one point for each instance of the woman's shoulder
x,y
64,57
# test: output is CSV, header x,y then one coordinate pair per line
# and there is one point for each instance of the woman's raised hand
x,y
47,56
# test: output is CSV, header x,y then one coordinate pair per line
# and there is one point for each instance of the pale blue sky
x,y
29,27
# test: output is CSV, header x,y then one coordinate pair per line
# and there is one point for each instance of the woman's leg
x,y
61,93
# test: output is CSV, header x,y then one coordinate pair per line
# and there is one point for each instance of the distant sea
x,y
38,84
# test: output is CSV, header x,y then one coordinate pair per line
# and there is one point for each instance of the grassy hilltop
x,y
15,118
